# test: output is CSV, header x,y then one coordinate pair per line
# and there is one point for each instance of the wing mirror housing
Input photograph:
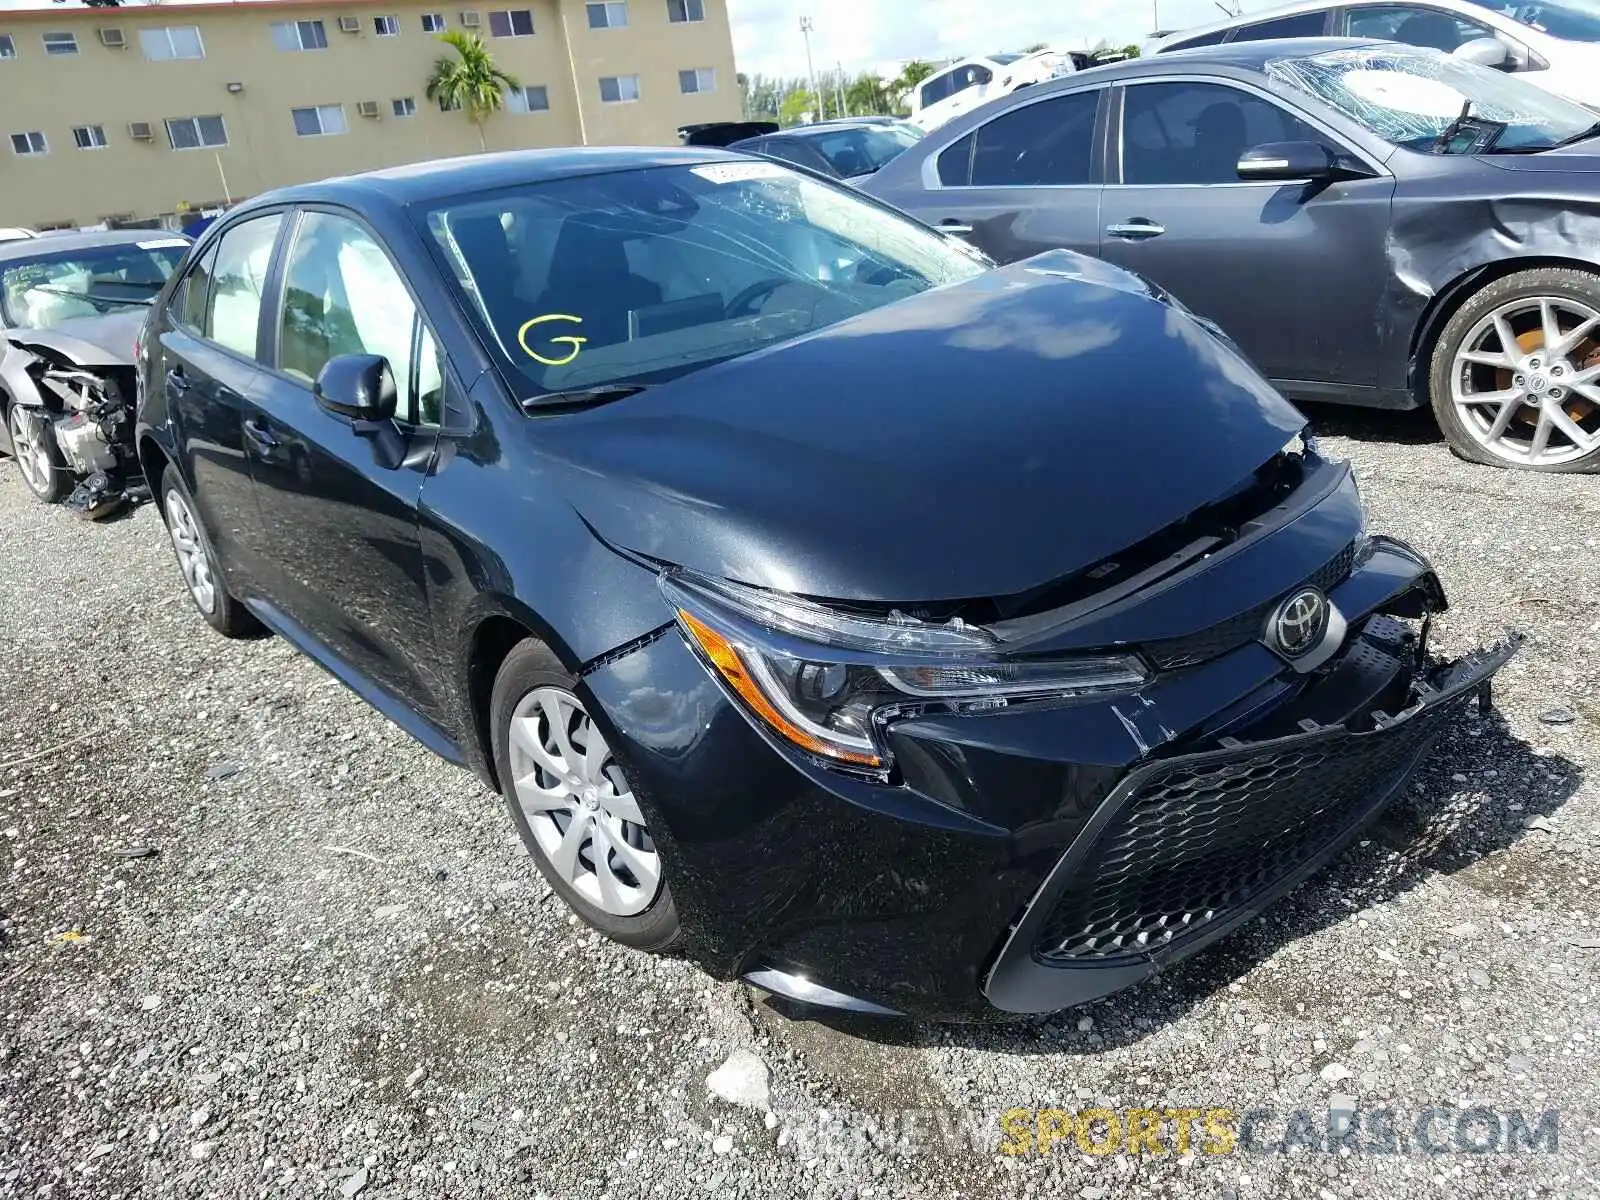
x,y
358,386
1485,51
1289,162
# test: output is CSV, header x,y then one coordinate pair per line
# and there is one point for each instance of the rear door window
x,y
233,314
1301,25
1045,143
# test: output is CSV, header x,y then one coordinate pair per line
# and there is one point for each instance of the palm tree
x,y
470,82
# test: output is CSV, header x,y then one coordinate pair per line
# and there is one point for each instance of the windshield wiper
x,y
590,397
1491,131
93,297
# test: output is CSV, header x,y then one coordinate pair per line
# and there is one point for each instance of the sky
x,y
880,34
872,34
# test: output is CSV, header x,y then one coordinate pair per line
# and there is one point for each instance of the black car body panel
x,y
695,474
1330,289
1156,501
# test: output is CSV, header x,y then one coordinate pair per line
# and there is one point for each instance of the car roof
x,y
822,127
56,243
1463,7
438,179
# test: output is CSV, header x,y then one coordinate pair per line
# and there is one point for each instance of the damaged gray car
x,y
1372,223
71,307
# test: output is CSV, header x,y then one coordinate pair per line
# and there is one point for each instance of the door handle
x,y
955,227
258,433
176,381
1136,230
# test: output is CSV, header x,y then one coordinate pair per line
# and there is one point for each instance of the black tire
x,y
226,615
1556,282
61,480
528,667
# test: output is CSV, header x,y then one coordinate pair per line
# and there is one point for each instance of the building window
x,y
29,143
299,35
701,79
8,48
433,23
174,41
528,100
406,106
386,26
619,89
680,11
613,15
60,43
196,133
511,22
89,137
321,121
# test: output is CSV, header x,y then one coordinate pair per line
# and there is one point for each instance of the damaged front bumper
x,y
1187,848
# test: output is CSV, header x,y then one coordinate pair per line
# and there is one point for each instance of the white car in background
x,y
1553,43
12,233
964,85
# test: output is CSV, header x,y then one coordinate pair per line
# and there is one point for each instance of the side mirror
x,y
358,386
1288,161
1485,51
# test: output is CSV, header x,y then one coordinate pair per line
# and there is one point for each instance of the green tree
x,y
1131,50
913,73
867,95
470,82
1036,47
95,3
795,105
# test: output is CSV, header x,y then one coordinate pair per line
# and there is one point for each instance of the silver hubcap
x,y
191,553
1526,382
29,449
579,806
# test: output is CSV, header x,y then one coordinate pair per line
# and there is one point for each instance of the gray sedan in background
x,y
1372,223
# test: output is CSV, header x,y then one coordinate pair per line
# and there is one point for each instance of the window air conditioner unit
x,y
350,24
112,39
140,131
469,20
368,108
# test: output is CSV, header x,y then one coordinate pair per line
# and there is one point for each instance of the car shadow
x,y
1439,826
1400,427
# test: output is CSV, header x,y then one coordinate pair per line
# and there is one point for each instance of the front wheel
x,y
39,459
1515,377
573,803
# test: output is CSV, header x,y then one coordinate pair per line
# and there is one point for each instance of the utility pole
x,y
805,31
1155,16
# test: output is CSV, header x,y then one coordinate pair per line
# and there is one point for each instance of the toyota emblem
x,y
1299,623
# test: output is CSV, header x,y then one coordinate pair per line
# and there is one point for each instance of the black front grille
x,y
1201,836
1173,654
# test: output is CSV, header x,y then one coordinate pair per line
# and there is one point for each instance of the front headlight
x,y
828,682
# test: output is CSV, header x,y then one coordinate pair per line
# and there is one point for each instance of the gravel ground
x,y
338,975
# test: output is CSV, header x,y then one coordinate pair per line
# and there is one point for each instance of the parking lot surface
x,y
256,942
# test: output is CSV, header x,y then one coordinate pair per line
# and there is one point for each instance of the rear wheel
x,y
39,459
1515,379
198,562
573,803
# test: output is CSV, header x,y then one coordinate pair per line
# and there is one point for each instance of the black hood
x,y
975,440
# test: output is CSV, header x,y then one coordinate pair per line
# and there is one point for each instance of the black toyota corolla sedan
x,y
1373,223
896,633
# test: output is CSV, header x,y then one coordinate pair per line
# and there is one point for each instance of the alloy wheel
x,y
579,805
191,551
28,446
1526,381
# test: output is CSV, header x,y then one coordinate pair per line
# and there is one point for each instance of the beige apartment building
x,y
131,113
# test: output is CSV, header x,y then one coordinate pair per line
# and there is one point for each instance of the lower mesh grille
x,y
1195,841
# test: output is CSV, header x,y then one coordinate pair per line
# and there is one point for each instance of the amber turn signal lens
x,y
725,657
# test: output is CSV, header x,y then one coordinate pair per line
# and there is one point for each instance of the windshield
x,y
865,149
1573,20
43,291
636,277
1410,95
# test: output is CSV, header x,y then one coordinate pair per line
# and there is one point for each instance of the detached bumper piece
x,y
1187,848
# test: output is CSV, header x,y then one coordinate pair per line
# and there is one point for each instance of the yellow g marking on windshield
x,y
575,342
